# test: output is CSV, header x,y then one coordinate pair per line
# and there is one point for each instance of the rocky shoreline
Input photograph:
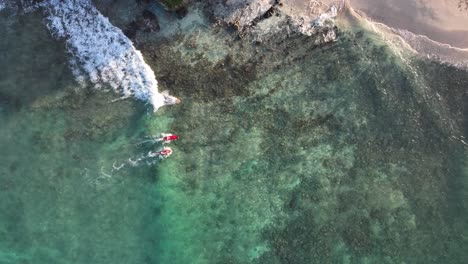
x,y
258,21
273,21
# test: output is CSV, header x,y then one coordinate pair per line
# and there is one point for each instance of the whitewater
x,y
100,52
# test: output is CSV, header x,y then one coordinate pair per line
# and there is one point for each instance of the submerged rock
x,y
147,22
173,5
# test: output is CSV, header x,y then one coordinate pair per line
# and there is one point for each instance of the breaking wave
x,y
101,53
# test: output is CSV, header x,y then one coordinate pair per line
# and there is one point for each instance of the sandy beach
x,y
441,21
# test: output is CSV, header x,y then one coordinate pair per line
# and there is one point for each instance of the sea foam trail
x,y
101,53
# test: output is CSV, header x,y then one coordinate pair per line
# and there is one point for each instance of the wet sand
x,y
441,21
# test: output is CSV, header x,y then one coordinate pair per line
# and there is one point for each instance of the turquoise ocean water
x,y
343,153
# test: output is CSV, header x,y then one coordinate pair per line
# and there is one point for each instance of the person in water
x,y
167,138
164,138
164,153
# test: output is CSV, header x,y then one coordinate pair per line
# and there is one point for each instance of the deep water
x,y
289,153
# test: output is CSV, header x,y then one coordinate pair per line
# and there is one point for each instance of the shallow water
x,y
333,154
341,157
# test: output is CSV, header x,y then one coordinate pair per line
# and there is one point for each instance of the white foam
x,y
405,43
101,53
2,5
326,19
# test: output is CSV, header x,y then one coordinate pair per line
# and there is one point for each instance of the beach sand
x,y
442,21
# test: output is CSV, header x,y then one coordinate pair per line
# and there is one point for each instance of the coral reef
x,y
294,153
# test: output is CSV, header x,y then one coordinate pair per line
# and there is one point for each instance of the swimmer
x,y
164,153
165,138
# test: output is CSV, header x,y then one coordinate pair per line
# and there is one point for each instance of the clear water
x,y
60,200
333,154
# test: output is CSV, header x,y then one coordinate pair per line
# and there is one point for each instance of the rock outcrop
x,y
241,13
261,19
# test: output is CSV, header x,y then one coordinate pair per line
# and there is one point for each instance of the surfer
x,y
169,99
164,138
167,138
164,153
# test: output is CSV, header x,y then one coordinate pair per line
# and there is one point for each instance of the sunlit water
x,y
337,154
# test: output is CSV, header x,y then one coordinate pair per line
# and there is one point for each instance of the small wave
x,y
435,50
101,53
402,40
